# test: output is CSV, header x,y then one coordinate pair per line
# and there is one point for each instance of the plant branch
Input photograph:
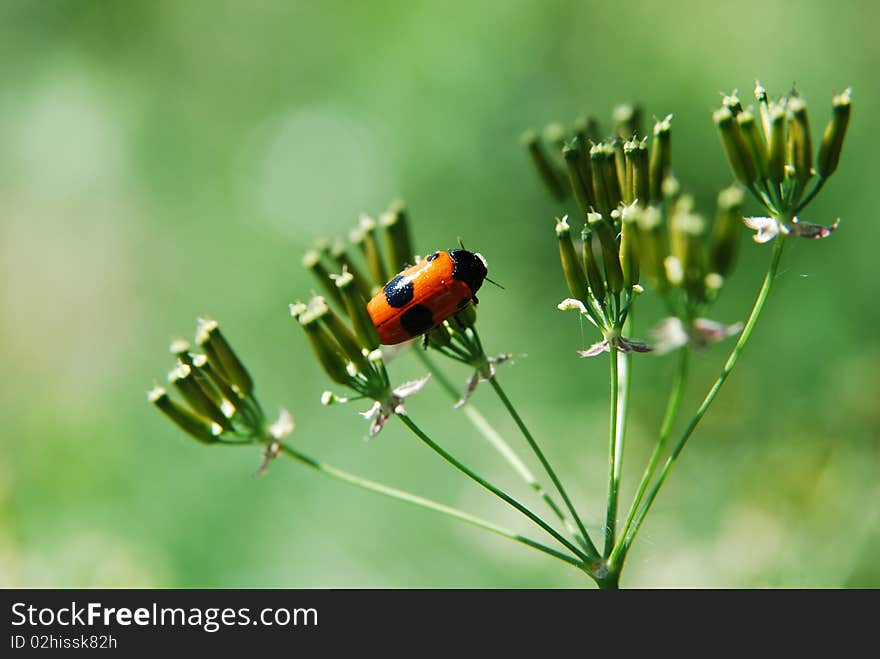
x,y
613,458
729,365
585,537
421,502
409,423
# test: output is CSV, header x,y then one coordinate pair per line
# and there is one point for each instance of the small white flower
x,y
765,228
672,334
381,411
283,426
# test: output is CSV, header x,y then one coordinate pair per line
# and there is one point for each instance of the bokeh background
x,y
162,160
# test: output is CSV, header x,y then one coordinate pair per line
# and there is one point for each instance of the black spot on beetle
x,y
399,292
417,320
433,256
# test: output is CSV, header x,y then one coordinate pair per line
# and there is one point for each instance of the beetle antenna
x,y
495,283
460,242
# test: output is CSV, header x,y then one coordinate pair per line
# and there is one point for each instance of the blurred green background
x,y
162,160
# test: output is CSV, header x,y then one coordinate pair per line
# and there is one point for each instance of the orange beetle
x,y
424,295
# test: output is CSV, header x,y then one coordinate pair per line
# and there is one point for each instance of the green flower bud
x,y
777,145
627,121
554,134
581,186
801,149
214,344
835,132
400,250
370,247
637,173
439,337
342,259
661,157
732,103
467,317
589,127
606,186
325,348
547,170
191,424
754,141
738,155
312,262
594,275
346,339
356,309
764,109
207,375
183,378
180,348
687,230
653,248
629,255
610,255
727,229
571,266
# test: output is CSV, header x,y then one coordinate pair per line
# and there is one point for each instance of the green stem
x,y
585,537
497,442
491,488
672,407
421,502
819,185
613,470
769,278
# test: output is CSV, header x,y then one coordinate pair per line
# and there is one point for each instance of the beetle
x,y
422,296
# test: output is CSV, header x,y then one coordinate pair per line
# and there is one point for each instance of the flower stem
x,y
729,365
490,487
504,449
613,469
421,502
584,536
672,407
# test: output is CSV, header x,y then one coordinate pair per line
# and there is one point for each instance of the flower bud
x,y
629,255
835,131
725,233
193,425
801,149
606,185
206,375
754,141
547,169
356,309
763,108
312,261
439,337
220,352
777,145
661,157
594,274
588,126
180,348
370,247
686,237
732,103
627,121
342,259
400,250
637,173
571,266
325,348
652,246
610,255
183,378
339,331
582,187
467,317
738,155
554,134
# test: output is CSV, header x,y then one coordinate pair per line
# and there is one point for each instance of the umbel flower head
x,y
218,403
353,357
770,151
636,224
